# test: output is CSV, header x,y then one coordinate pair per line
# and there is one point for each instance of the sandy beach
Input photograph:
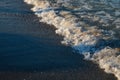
x,y
30,50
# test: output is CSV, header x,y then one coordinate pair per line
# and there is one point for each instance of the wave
x,y
90,27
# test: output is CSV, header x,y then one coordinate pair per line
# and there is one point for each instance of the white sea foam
x,y
87,26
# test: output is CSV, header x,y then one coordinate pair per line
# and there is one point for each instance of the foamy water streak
x,y
90,27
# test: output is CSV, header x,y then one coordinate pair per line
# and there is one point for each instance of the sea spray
x,y
87,26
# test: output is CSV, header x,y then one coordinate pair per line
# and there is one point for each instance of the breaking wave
x,y
90,27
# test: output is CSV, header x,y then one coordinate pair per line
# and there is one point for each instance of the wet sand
x,y
30,50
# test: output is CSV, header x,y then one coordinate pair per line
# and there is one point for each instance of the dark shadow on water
x,y
26,57
19,52
101,44
28,45
113,43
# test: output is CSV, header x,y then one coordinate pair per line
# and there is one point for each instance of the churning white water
x,y
90,27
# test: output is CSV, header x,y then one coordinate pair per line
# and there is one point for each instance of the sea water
x,y
90,27
28,45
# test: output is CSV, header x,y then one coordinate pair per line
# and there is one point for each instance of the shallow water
x,y
28,45
90,27
20,52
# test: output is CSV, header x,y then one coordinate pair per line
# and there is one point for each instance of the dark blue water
x,y
26,44
31,53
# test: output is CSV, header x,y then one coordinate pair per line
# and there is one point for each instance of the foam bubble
x,y
109,59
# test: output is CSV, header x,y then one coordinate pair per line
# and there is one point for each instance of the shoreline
x,y
89,71
81,71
